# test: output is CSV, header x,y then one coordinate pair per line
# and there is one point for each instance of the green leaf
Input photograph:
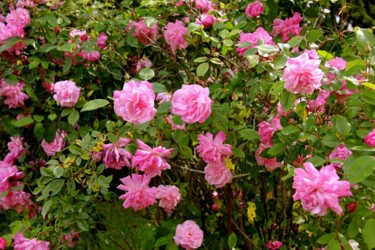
x,y
330,141
280,61
202,69
38,131
287,101
232,240
146,74
163,240
314,35
361,168
201,59
316,161
368,97
334,245
58,171
194,27
164,107
326,238
271,11
365,38
237,152
158,87
73,117
186,151
294,41
55,186
22,122
46,207
353,229
342,125
249,134
277,149
67,65
368,233
50,133
94,104
83,225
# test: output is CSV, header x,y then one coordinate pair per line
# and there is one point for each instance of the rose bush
x,y
216,124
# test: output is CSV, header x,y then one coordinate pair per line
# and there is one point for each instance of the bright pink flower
x,y
188,235
169,197
135,102
270,164
287,27
22,243
254,9
322,98
70,237
48,86
266,130
151,160
16,148
372,207
15,98
102,39
192,103
56,145
115,155
19,17
139,195
9,177
206,20
203,5
144,34
66,93
163,97
274,245
174,35
211,149
253,38
16,199
337,63
370,139
319,190
217,174
80,33
92,56
3,243
302,75
342,153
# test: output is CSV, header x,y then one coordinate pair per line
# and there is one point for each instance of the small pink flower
x,y
274,245
217,174
270,164
192,103
169,197
16,148
66,93
253,38
92,56
144,34
70,237
138,195
19,17
15,98
102,39
80,33
206,20
188,235
115,156
56,145
370,139
302,75
163,97
9,177
3,243
266,130
22,243
174,35
372,207
319,190
203,5
254,9
342,153
211,149
16,199
135,102
337,63
151,160
287,27
144,62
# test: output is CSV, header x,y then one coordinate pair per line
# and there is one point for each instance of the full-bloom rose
x,y
169,197
146,35
274,245
370,139
319,190
15,98
135,102
206,20
56,145
302,75
16,199
3,244
341,152
188,235
253,38
266,130
338,63
287,27
16,148
254,9
22,243
217,174
174,35
19,17
212,149
9,177
115,155
192,103
66,93
203,5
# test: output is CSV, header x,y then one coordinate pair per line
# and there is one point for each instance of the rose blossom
x,y
15,98
370,139
56,145
66,93
319,190
169,197
69,238
22,243
302,75
3,243
212,149
287,27
163,97
266,130
192,103
203,5
259,34
217,174
9,177
16,148
144,34
337,63
16,199
135,102
115,156
270,164
206,20
341,152
174,35
151,160
19,17
138,195
102,39
188,235
254,9
274,245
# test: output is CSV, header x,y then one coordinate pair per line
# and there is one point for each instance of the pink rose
x,y
188,235
302,75
287,27
102,39
254,9
22,243
274,245
70,237
270,164
266,130
169,197
15,98
337,63
342,153
163,97
144,62
9,177
217,174
3,243
203,5
56,145
115,156
319,190
135,102
174,35
206,20
19,17
211,149
144,34
66,93
253,38
16,199
370,139
192,103
16,148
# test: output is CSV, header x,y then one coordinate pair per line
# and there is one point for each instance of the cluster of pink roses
x,y
15,98
22,243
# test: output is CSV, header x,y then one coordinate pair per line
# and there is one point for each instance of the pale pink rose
x,y
174,35
274,245
270,164
66,93
163,97
253,38
319,190
80,33
322,98
102,39
115,155
16,147
203,5
206,20
340,152
188,235
217,174
169,197
3,243
254,9
138,195
144,62
26,3
337,63
313,55
211,149
56,145
175,126
22,243
70,237
266,130
144,34
16,199
370,139
15,98
302,75
92,56
287,27
9,177
19,17
135,102
152,161
192,103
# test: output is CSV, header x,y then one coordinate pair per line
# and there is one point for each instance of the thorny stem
x,y
247,238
